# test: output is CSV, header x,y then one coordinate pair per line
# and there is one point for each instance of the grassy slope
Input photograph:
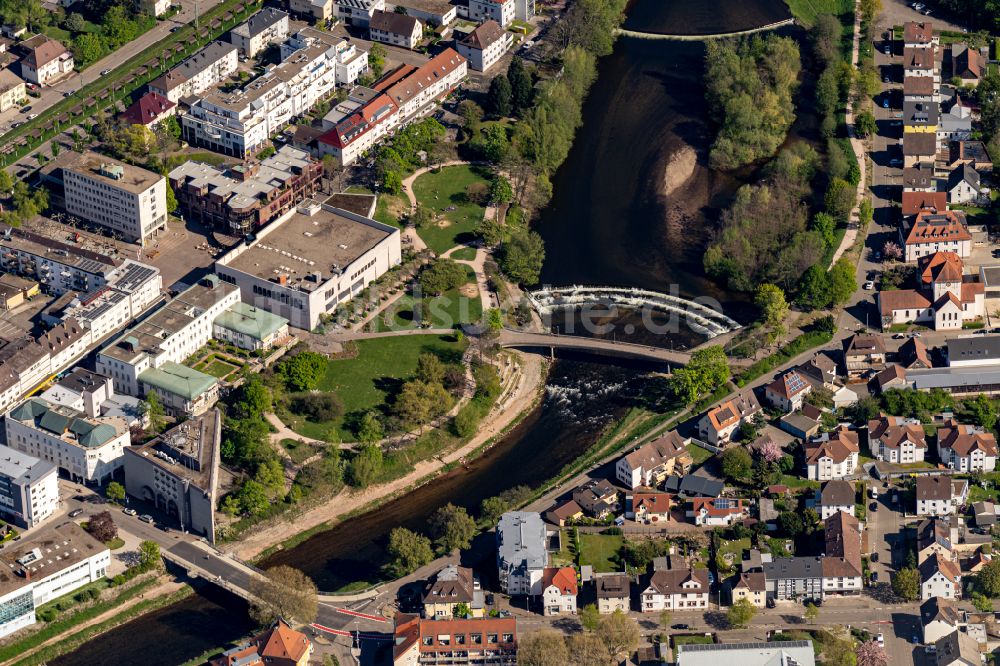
x,y
445,189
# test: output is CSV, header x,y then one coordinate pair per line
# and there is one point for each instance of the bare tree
x,y
286,593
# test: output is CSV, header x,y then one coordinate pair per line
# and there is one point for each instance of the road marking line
x,y
336,632
362,615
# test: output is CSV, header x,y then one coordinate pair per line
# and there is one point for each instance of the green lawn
x,y
601,551
445,311
699,454
375,374
806,11
217,368
298,450
692,639
463,254
797,482
443,190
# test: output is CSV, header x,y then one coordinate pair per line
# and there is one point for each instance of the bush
x,y
317,406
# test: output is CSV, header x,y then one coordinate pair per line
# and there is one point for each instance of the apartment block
x,y
171,334
308,261
413,88
485,46
360,122
29,488
210,66
501,11
522,554
358,12
266,27
45,60
128,200
320,10
240,123
178,472
12,90
396,29
244,198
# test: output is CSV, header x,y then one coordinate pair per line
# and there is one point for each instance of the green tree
x,y
736,463
770,300
303,371
420,402
365,466
6,182
981,411
149,555
501,191
271,476
523,256
826,35
707,370
253,498
906,584
499,97
491,231
75,22
430,368
452,528
839,199
988,578
520,85
408,551
115,492
493,143
842,281
88,48
370,428
392,182
982,603
171,199
814,288
254,397
740,613
864,124
376,60
812,612
790,524
422,217
590,617
154,413
443,275
825,226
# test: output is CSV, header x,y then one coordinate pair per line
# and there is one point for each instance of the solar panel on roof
x,y
795,383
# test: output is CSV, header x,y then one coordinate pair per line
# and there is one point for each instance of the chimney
x,y
283,279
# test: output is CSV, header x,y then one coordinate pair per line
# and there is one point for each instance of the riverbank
x,y
285,534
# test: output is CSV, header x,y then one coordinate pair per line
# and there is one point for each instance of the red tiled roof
x,y
914,202
940,267
918,32
839,447
563,578
426,75
44,53
147,109
918,58
658,503
963,440
486,34
918,85
789,384
930,227
730,507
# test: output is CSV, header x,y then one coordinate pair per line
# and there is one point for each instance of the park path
x,y
411,232
523,396
858,148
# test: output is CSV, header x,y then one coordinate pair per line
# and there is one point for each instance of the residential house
x,y
716,510
559,591
864,352
148,110
367,116
919,178
820,369
750,586
964,185
434,13
970,152
45,60
209,66
920,88
563,512
936,231
719,423
919,35
937,536
396,29
280,645
940,495
29,489
266,27
12,90
913,355
945,299
939,577
648,506
651,463
319,10
918,147
957,649
897,439
694,485
914,202
597,497
966,448
426,84
251,328
522,552
938,618
676,590
967,64
422,642
501,11
985,513
972,350
893,377
832,455
954,122
920,62
613,592
842,568
836,495
792,578
920,116
788,391
800,424
358,12
453,588
485,46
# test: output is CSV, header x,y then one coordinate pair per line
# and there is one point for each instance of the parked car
x,y
896,162
75,512
874,557
885,102
679,626
105,72
880,638
874,576
130,512
32,116
869,285
873,507
26,109
146,518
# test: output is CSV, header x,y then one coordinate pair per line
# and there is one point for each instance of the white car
x,y
869,285
881,639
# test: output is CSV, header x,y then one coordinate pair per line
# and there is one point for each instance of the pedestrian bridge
x,y
700,317
510,338
702,38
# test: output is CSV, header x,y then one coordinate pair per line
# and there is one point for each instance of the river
x,y
609,223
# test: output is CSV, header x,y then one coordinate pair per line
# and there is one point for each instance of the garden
x,y
457,303
222,366
454,195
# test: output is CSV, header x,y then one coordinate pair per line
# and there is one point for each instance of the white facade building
x,y
266,27
396,29
939,578
29,488
334,253
204,69
676,589
358,12
485,45
501,11
522,554
124,198
46,61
